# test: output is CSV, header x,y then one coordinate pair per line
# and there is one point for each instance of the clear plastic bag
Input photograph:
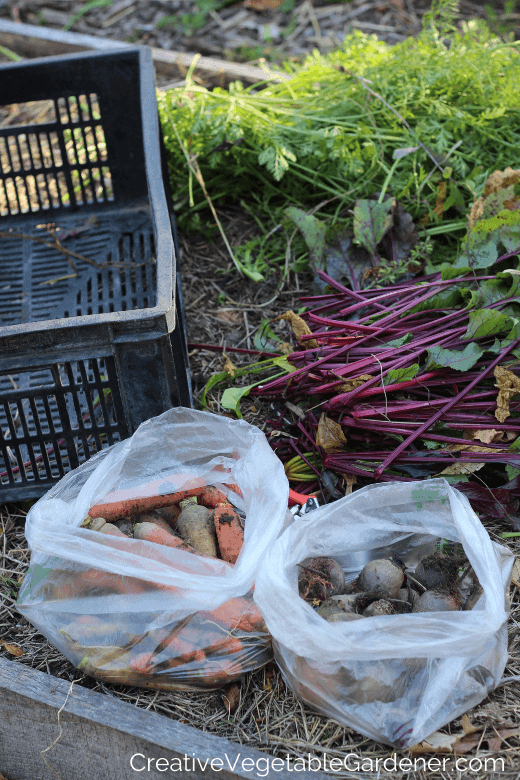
x,y
131,611
395,678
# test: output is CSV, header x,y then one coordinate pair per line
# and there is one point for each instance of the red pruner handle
x,y
298,498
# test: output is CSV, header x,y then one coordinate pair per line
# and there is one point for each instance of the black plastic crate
x,y
92,347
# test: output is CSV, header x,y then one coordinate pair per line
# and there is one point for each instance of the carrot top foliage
x,y
430,116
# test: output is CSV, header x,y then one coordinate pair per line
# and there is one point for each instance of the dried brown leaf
x,y
487,437
352,384
437,743
508,385
299,326
231,697
442,189
463,741
350,480
498,180
495,743
13,650
229,366
468,726
330,435
462,467
231,316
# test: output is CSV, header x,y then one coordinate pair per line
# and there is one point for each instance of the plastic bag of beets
x,y
393,677
135,611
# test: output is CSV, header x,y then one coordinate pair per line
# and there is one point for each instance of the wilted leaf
x,y
442,190
498,180
508,385
439,357
231,697
437,743
371,222
401,239
13,650
468,726
330,435
353,384
346,262
299,326
462,467
350,480
487,436
229,366
231,316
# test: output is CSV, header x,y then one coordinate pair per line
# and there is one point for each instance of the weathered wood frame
x,y
28,40
94,737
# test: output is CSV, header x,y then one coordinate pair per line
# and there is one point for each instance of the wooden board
x,y
28,40
100,734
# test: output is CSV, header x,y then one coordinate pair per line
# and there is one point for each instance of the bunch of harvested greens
x,y
398,382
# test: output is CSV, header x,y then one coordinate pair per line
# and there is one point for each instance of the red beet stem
x,y
406,443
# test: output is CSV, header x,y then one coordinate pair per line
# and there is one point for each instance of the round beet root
x,y
320,578
381,577
436,601
379,607
346,604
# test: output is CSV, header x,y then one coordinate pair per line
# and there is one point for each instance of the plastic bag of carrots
x,y
143,559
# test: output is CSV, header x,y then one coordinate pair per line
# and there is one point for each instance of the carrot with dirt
x,y
230,531
127,503
195,525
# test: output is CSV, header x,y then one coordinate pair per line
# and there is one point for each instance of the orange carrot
x,y
230,531
149,532
155,518
129,503
211,497
239,613
141,663
111,530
